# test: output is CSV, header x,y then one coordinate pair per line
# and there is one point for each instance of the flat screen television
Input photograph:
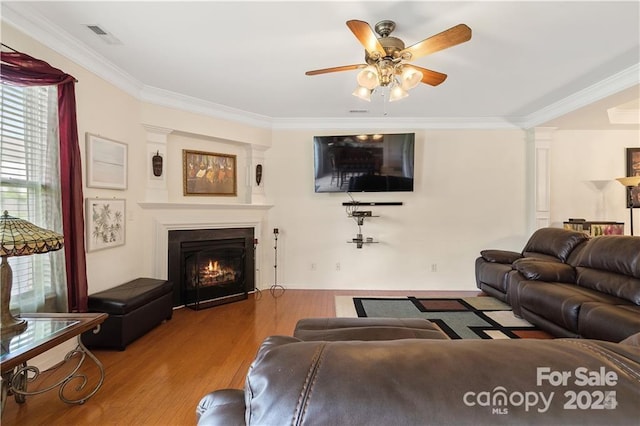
x,y
364,163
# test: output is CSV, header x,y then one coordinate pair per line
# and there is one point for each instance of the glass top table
x,y
44,332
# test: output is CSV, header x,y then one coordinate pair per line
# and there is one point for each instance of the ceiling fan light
x,y
368,77
362,93
410,78
397,93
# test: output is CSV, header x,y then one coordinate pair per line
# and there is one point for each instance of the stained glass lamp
x,y
19,238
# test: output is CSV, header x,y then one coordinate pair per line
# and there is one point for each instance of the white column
x,y
540,176
156,188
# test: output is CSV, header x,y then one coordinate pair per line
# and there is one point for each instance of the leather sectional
x,y
595,296
568,284
433,382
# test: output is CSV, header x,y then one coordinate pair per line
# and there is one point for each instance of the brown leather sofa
x,y
549,244
594,295
434,382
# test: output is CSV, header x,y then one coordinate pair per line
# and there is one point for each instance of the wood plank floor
x,y
160,377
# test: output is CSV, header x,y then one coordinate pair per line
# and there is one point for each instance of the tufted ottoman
x,y
341,329
134,308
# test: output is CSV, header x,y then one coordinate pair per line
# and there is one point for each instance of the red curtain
x,y
21,69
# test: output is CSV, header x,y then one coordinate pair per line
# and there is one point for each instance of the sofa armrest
x,y
537,270
225,407
500,256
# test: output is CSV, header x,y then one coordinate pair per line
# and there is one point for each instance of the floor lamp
x,y
630,182
19,238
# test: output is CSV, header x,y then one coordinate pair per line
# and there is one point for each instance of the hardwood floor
x,y
160,377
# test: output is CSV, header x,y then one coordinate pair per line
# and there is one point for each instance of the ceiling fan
x,y
388,60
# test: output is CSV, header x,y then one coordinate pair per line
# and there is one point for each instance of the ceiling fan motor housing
x,y
386,65
391,45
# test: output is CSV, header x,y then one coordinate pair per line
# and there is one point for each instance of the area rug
x,y
460,318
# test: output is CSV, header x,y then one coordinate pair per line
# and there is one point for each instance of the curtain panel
x,y
22,69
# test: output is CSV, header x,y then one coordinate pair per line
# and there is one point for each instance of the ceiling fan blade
x,y
448,38
366,36
432,78
335,69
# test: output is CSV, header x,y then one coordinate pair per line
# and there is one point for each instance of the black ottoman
x,y
134,308
367,329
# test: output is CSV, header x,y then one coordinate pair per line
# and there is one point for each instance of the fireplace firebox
x,y
211,266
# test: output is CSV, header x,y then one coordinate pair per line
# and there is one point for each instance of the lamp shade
x,y
397,93
362,93
21,238
368,77
629,181
410,77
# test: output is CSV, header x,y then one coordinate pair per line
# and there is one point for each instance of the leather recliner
x,y
547,244
423,381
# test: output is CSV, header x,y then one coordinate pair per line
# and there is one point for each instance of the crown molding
x,y
30,22
623,80
175,100
396,123
33,24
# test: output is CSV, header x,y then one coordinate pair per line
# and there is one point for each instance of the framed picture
x,y
208,173
106,163
633,169
105,221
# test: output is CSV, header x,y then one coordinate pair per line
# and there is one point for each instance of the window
x,y
30,190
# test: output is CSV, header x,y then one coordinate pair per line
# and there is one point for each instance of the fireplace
x,y
210,267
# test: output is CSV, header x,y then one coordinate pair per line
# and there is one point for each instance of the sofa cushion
x,y
596,319
619,254
336,329
534,269
555,243
559,303
618,285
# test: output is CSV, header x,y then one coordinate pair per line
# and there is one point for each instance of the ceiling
x,y
527,63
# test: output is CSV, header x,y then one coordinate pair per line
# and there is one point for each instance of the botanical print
x,y
105,223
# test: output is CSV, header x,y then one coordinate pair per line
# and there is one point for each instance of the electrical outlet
x,y
337,266
313,266
434,267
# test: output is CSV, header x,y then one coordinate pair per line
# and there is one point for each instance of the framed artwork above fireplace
x,y
208,173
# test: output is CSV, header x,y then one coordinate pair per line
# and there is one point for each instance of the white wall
x,y
468,195
580,157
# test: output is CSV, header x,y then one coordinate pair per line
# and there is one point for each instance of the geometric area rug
x,y
481,317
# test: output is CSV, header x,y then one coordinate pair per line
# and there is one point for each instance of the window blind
x,y
29,179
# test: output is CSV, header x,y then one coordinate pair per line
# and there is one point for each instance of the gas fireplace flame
x,y
213,272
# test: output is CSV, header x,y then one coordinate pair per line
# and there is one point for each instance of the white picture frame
x,y
105,221
106,163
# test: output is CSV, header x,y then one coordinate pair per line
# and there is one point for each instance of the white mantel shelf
x,y
202,206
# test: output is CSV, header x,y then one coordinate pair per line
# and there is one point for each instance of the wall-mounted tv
x,y
364,163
